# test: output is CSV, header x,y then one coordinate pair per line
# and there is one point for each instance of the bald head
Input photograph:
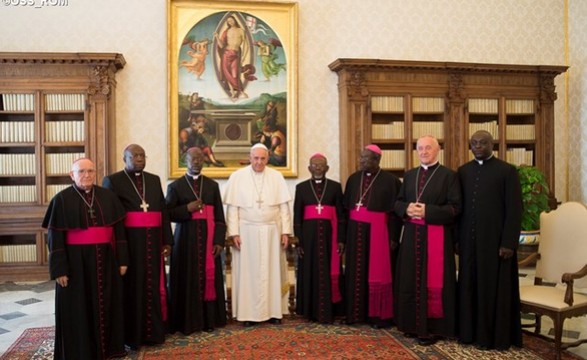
x,y
481,144
134,158
195,160
428,149
83,173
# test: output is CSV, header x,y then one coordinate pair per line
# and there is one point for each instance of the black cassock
x,y
189,312
314,292
88,312
438,188
489,296
380,197
145,298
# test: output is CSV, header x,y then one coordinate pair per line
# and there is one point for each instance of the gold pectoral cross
x,y
92,213
259,201
144,206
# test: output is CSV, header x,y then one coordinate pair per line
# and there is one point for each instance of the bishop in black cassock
x,y
196,277
373,232
425,281
148,232
489,231
88,254
319,225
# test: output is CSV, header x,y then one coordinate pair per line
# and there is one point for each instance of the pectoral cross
x,y
144,206
319,208
92,213
359,204
259,201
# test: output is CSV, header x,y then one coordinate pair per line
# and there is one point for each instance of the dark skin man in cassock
x,y
198,301
425,289
319,225
148,232
489,230
88,256
373,232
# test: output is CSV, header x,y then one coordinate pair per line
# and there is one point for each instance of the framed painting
x,y
232,83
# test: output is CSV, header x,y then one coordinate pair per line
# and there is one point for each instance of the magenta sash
x,y
207,213
139,219
90,236
435,267
328,212
143,219
380,277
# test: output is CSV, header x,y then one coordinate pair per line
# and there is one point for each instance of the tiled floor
x,y
23,306
27,305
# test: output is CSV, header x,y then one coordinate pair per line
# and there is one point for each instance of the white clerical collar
x,y
194,177
480,162
426,167
138,173
318,181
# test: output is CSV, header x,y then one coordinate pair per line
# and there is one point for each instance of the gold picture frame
x,y
232,83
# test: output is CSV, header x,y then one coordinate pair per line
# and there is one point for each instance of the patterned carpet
x,y
294,339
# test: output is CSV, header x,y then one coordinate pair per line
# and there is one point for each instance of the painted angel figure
x,y
197,65
268,57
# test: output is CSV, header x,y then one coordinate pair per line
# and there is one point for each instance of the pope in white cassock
x,y
259,222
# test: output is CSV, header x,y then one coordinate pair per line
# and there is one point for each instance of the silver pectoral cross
x,y
359,204
319,208
92,213
144,206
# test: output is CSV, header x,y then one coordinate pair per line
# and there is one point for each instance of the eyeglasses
x,y
85,171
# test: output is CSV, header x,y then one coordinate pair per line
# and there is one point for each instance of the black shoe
x,y
275,321
248,323
426,341
410,335
482,347
209,329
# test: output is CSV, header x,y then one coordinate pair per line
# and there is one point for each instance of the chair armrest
x,y
529,259
576,275
568,279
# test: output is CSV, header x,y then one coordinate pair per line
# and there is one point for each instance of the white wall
x,y
490,31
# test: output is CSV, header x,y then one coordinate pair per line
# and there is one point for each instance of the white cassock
x,y
258,210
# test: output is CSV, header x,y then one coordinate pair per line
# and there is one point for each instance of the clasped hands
x,y
416,210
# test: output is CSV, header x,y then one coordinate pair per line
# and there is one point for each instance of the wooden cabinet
x,y
54,108
391,103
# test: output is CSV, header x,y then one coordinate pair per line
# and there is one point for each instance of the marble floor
x,y
27,305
